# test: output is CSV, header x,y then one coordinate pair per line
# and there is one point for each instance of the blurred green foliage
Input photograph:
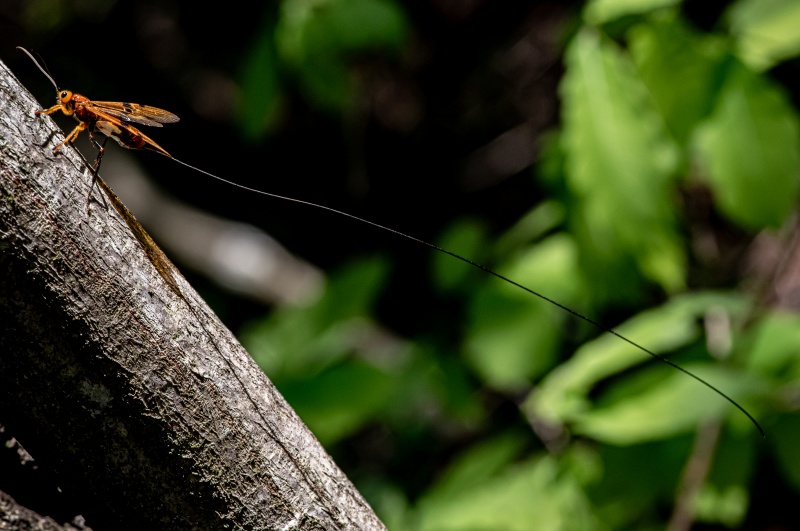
x,y
652,110
315,41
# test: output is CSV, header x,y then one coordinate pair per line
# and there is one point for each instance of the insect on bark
x,y
113,119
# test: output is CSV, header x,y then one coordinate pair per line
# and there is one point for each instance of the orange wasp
x,y
111,118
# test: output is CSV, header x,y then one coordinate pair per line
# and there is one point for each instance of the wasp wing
x,y
104,115
136,113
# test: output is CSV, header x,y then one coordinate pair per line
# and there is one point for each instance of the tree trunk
x,y
115,374
15,517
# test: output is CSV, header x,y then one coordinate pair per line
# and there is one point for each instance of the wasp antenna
x,y
39,66
46,70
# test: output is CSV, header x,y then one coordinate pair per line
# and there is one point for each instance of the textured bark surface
x,y
15,517
118,376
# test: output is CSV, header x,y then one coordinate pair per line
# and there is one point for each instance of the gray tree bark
x,y
114,373
15,517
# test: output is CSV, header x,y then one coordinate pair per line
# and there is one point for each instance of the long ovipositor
x,y
113,119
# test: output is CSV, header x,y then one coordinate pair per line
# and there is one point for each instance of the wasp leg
x,y
73,135
51,110
96,169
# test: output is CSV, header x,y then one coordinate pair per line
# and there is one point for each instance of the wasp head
x,y
66,101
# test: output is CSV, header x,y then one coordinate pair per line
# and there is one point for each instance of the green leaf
x,y
262,99
387,498
620,165
540,220
727,506
786,440
466,238
737,458
513,336
724,498
750,150
674,405
533,494
681,69
774,348
602,11
352,290
477,465
304,340
368,24
338,401
637,481
563,396
320,37
765,31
